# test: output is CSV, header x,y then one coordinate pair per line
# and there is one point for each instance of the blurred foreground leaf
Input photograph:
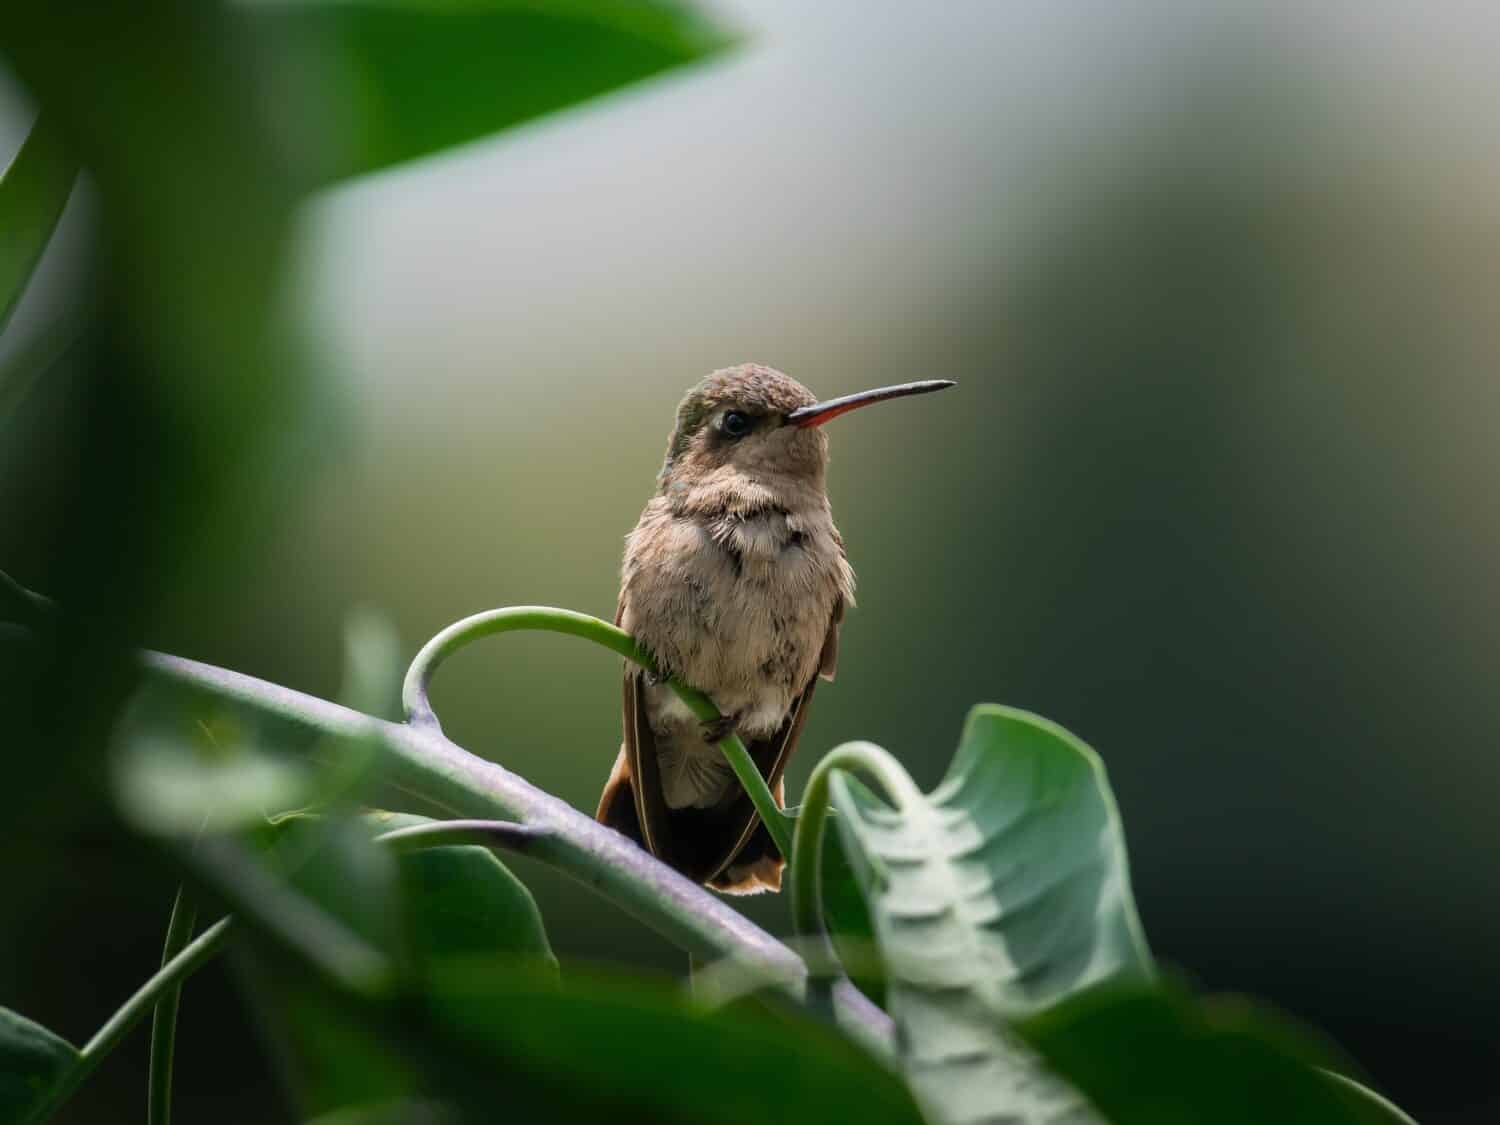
x,y
1000,893
182,419
406,78
475,1030
33,1062
187,762
607,1048
34,189
1156,1055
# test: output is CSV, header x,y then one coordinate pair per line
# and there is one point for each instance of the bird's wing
x,y
828,661
632,801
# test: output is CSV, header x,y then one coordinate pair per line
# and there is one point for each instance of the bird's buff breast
x,y
738,608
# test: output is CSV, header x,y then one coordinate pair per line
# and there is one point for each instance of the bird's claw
x,y
716,730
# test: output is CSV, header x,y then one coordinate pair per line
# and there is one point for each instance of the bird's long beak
x,y
826,411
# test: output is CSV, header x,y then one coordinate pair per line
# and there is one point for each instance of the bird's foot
x,y
717,730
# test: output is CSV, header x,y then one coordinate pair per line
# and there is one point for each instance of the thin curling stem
x,y
419,712
807,870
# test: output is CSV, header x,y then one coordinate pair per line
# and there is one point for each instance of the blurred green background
x,y
1220,290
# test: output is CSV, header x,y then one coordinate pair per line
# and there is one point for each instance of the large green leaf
x,y
496,1042
998,894
405,78
607,1048
34,188
499,1037
495,1037
33,1062
1155,1055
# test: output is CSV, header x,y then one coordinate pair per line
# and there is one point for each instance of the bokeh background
x,y
1219,286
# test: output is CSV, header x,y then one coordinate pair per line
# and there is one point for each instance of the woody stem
x,y
423,761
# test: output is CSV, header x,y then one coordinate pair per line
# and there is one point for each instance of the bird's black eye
x,y
735,424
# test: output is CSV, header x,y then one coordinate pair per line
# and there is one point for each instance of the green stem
x,y
164,1018
807,849
194,954
128,1014
534,617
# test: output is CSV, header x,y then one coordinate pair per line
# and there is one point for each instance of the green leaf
x,y
609,1048
331,1049
34,189
422,909
460,900
33,1063
478,1032
333,862
1156,1055
848,921
1003,891
328,1054
405,78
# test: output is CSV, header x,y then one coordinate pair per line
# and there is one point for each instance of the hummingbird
x,y
735,580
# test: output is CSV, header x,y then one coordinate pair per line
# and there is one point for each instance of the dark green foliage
x,y
33,1061
1159,1056
412,78
474,1010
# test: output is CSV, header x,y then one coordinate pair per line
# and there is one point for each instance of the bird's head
x,y
754,422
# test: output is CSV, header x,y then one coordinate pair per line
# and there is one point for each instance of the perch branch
x,y
425,762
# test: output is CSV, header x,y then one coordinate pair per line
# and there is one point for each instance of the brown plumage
x,y
735,579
